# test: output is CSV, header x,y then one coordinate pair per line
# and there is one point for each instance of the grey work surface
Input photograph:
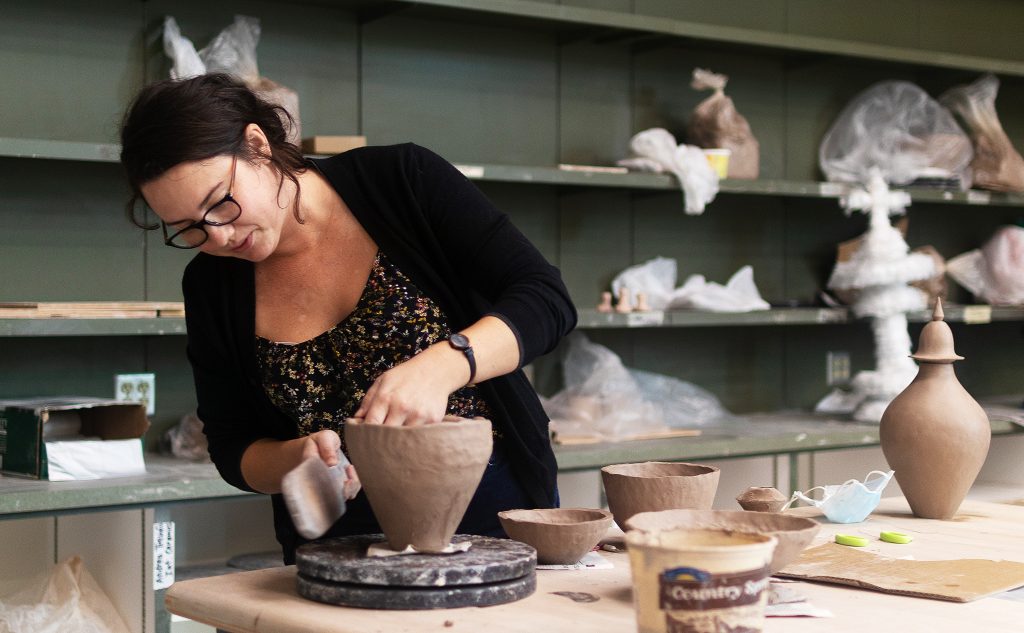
x,y
170,480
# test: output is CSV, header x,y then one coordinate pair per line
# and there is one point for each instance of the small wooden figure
x,y
606,302
641,302
625,303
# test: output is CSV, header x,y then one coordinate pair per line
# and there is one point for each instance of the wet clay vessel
x,y
650,486
793,533
420,479
762,499
934,435
561,536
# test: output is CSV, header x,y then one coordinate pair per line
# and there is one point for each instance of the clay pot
x,y
420,479
934,435
650,486
762,499
561,536
792,533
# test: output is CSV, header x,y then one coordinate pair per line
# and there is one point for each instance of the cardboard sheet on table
x,y
954,580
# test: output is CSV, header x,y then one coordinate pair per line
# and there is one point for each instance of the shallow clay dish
x,y
651,486
561,536
793,533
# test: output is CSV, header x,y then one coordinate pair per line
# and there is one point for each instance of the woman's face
x,y
184,193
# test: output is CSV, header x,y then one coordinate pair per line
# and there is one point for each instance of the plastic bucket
x,y
699,581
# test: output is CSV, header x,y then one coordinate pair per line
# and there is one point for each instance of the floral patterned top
x,y
322,381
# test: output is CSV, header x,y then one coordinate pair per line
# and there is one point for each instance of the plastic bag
x,y
232,51
715,123
656,150
896,127
67,600
605,400
186,439
996,165
657,279
995,272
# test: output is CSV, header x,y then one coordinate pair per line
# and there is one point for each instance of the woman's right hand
x,y
326,445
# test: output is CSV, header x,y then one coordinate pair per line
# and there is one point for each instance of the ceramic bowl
x,y
793,533
762,499
651,486
561,536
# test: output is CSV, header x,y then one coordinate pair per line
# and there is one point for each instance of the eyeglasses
x,y
224,212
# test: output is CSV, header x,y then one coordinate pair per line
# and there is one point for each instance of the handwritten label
x,y
977,314
645,319
163,554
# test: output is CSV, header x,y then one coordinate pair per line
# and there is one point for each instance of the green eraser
x,y
851,540
895,537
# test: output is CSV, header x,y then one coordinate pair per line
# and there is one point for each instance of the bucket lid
x,y
936,342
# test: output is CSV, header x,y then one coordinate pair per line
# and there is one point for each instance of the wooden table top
x,y
265,601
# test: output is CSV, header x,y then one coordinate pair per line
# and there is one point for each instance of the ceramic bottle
x,y
934,434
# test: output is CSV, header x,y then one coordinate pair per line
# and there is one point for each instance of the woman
x,y
378,284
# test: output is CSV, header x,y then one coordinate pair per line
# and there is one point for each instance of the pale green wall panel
x,y
874,21
991,28
595,118
62,234
80,366
595,242
623,6
67,66
471,93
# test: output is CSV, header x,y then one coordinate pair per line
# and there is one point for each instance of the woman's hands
x,y
411,393
327,446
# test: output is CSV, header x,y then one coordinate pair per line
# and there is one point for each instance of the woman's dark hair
x,y
176,121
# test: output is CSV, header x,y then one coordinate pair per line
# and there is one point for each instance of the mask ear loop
x,y
882,475
805,497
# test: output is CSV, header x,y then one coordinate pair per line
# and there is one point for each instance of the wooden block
x,y
331,144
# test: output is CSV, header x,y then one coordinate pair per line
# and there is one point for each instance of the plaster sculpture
x,y
419,479
561,536
881,269
793,533
650,486
934,435
762,499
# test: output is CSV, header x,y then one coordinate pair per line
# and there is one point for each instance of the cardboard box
x,y
331,144
70,438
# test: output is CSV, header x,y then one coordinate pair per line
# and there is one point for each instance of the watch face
x,y
459,341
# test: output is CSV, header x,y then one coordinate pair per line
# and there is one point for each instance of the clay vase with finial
x,y
420,479
934,434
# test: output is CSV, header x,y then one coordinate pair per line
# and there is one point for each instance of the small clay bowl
x,y
652,486
762,499
561,536
793,533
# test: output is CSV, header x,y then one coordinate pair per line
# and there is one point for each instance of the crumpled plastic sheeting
x,y
68,600
896,127
603,398
657,279
656,150
995,272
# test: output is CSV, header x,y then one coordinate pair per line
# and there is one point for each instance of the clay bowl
x,y
652,486
762,499
561,536
420,479
793,533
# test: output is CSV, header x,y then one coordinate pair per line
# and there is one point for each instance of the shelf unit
x,y
543,175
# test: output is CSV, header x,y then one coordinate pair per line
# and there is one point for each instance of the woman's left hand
x,y
411,393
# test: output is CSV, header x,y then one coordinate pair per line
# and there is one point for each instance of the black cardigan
x,y
452,243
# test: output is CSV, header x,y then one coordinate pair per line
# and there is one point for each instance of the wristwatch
x,y
460,342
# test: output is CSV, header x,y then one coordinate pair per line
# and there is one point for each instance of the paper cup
x,y
699,581
719,161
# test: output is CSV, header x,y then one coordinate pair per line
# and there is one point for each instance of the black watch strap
x,y
460,342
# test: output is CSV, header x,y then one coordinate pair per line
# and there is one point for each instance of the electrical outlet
x,y
137,388
837,368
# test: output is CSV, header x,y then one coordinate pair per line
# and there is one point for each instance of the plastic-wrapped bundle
x,y
996,165
716,123
896,127
994,272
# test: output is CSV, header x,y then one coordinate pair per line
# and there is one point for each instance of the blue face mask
x,y
849,502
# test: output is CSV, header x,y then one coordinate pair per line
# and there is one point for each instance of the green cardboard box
x,y
71,437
